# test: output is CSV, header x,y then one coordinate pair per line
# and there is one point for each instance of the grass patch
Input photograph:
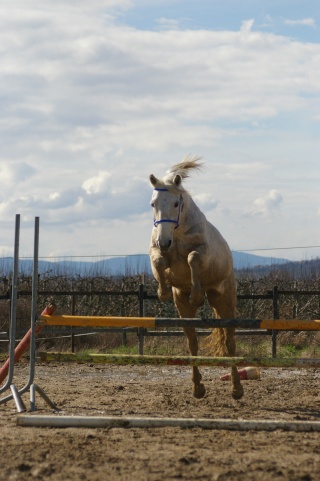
x,y
254,346
288,350
132,350
257,346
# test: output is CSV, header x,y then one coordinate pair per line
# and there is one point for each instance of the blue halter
x,y
181,204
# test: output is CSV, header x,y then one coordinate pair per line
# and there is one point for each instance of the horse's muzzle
x,y
164,247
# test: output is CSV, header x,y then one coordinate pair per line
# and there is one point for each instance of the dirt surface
x,y
149,454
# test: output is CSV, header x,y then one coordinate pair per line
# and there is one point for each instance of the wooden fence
x,y
274,296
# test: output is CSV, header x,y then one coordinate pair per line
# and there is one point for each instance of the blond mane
x,y
183,169
188,163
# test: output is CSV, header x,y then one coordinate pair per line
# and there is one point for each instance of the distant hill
x,y
243,260
119,266
307,269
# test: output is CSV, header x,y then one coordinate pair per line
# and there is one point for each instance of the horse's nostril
x,y
164,247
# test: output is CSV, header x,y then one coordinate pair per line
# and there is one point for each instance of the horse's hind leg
x,y
185,309
198,388
224,339
237,389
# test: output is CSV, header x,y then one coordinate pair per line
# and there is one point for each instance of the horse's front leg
x,y
159,264
187,310
197,291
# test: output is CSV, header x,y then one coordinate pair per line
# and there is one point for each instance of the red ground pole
x,y
24,343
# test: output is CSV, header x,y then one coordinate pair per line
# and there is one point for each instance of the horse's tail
x,y
221,343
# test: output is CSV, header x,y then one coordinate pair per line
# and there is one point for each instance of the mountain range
x,y
119,266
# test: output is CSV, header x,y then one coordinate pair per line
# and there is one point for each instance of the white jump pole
x,y
138,422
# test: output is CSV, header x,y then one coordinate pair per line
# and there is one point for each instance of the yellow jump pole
x,y
152,322
97,321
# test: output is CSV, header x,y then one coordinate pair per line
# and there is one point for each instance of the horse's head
x,y
167,205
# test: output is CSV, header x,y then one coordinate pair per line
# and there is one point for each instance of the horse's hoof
x,y
199,391
237,393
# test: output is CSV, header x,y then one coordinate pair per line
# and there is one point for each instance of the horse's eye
x,y
152,204
176,204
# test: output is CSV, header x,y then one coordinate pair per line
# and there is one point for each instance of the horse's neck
x,y
193,219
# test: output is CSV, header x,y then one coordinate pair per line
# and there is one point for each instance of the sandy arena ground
x,y
142,454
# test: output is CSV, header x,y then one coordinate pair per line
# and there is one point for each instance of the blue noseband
x,y
161,221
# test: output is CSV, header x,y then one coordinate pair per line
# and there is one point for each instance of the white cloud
x,y
247,25
12,173
54,196
168,23
268,204
97,183
222,72
308,22
206,202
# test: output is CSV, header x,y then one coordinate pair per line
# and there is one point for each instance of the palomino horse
x,y
190,259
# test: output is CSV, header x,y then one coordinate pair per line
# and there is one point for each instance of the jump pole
x,y
154,322
24,344
141,360
137,422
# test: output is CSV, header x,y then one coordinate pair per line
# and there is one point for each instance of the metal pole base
x,y
35,388
17,399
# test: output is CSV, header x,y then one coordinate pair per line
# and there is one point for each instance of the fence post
x,y
73,305
123,331
141,330
275,316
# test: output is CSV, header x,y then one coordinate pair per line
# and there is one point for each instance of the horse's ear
x,y
153,180
177,180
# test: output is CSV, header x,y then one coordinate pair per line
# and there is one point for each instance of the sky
x,y
95,96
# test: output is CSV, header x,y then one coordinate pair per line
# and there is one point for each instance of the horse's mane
x,y
188,163
183,169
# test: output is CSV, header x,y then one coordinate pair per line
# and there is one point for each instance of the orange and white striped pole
x,y
25,343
